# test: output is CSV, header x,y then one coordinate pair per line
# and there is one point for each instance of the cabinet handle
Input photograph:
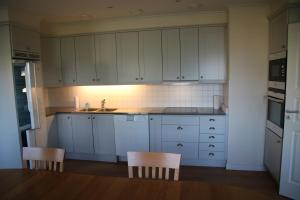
x,y
59,81
151,118
211,128
93,117
177,77
89,118
211,145
68,117
211,120
94,79
278,141
179,128
211,137
73,81
283,46
211,154
142,78
180,145
136,78
182,77
201,77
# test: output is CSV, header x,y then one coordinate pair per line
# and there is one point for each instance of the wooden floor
x,y
260,182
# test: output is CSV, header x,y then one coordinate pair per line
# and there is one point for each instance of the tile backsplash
x,y
131,96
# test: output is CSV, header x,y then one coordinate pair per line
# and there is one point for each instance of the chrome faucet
x,y
103,104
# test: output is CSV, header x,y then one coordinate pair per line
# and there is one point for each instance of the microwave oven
x,y
277,72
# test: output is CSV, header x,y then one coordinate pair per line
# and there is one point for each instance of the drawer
x,y
180,120
211,138
180,133
212,146
188,151
212,124
211,155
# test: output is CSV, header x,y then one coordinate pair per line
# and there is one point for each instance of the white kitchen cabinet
x,y
155,133
150,56
85,60
171,54
131,133
212,63
278,33
52,74
82,133
106,58
128,57
52,131
25,40
65,132
188,150
272,154
67,48
189,54
182,133
104,134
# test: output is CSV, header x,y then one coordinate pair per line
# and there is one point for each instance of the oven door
x,y
275,116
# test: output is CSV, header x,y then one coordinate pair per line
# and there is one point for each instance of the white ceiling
x,y
77,10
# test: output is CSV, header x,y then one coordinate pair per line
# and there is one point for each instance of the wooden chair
x,y
153,160
44,158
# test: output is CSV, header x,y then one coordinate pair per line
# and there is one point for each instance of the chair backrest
x,y
44,158
162,161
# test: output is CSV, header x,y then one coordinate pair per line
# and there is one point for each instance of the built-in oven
x,y
277,71
275,113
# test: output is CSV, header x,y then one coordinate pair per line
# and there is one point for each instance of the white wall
x,y
137,22
248,66
10,148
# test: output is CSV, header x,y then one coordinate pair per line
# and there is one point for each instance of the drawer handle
x,y
180,145
211,128
211,145
211,154
211,137
212,120
179,128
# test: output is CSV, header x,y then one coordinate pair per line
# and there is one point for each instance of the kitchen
x,y
195,82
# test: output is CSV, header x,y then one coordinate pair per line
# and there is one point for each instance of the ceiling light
x,y
109,7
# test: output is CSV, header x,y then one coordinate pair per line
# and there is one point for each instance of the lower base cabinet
x,y
188,151
86,136
272,157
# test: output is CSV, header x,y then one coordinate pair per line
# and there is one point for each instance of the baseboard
x,y
93,157
245,167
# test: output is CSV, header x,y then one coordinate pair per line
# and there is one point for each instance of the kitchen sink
x,y
107,110
97,110
89,110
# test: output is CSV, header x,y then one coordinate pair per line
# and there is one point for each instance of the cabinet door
x,y
67,48
25,40
278,33
155,133
171,55
106,58
212,65
85,60
189,53
150,56
65,133
83,133
128,57
104,134
52,132
51,62
273,149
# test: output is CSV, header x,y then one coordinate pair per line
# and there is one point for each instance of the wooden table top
x,y
19,184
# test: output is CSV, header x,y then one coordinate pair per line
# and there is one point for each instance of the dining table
x,y
34,184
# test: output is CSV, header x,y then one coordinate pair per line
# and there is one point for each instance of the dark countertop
x,y
151,110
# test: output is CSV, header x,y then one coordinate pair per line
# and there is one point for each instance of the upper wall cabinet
x,y
24,40
150,56
85,60
278,33
51,62
68,60
171,54
106,58
128,57
189,53
212,63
